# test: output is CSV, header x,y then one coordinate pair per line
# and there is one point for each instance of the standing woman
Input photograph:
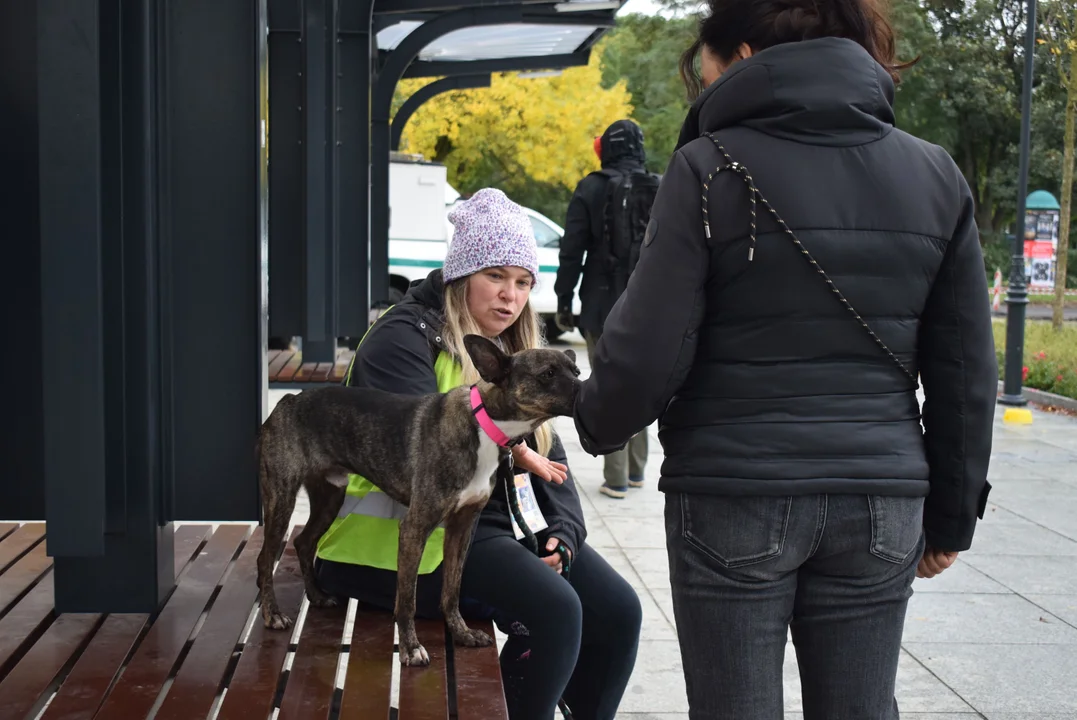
x,y
575,639
781,359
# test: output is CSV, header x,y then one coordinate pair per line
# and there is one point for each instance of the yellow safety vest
x,y
366,531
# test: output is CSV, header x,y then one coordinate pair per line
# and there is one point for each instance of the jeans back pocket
x,y
896,526
736,531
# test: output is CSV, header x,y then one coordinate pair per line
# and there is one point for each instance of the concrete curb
x,y
1046,399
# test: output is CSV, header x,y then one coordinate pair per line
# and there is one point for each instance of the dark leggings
x,y
582,635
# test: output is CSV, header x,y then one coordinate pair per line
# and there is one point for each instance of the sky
x,y
644,7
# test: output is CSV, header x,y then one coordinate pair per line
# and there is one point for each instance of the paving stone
x,y
652,564
1032,679
1063,607
657,683
1042,575
961,577
1019,537
982,619
631,533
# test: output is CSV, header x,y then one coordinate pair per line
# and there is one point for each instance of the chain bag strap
x,y
756,197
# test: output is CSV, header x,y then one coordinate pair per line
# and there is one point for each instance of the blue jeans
x,y
835,569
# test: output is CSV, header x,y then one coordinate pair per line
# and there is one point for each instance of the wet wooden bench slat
x,y
18,542
305,372
25,622
37,648
423,693
277,363
288,367
286,373
321,372
311,680
138,687
7,528
340,368
83,690
24,686
24,573
368,680
479,692
254,682
195,686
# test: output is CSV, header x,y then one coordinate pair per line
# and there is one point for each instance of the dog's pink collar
x,y
485,422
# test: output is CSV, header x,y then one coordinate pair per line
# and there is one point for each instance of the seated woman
x,y
574,639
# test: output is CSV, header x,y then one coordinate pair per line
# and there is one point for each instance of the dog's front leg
x,y
415,528
458,530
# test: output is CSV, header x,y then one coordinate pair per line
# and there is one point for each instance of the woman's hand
x,y
527,459
554,560
934,562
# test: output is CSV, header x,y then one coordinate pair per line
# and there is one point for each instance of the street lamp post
x,y
1017,295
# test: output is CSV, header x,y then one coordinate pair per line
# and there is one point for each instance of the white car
x,y
419,237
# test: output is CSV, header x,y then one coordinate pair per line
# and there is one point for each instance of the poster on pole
x,y
1041,249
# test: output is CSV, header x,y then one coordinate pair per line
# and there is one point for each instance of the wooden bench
x,y
196,656
287,369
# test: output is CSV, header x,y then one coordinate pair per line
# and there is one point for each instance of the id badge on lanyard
x,y
528,507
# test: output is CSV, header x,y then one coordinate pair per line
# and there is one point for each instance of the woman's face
x,y
713,67
496,296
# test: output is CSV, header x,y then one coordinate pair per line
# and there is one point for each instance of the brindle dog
x,y
427,452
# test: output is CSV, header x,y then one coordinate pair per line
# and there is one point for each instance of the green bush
x,y
1050,357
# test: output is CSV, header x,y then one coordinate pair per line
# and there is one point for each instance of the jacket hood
x,y
828,91
623,143
429,292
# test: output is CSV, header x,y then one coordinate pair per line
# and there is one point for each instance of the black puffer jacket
x,y
622,150
763,383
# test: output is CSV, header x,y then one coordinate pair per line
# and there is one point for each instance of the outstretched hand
x,y
536,464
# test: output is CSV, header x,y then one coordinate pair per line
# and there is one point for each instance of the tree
x,y
1060,29
532,137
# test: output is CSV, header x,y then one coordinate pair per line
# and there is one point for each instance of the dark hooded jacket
x,y
622,150
761,380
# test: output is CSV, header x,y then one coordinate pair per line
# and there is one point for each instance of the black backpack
x,y
629,197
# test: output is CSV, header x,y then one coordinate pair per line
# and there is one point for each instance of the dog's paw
x,y
277,621
416,657
321,600
472,638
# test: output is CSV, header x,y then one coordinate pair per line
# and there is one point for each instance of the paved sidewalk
x,y
994,637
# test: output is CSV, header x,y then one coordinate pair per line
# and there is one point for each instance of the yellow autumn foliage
x,y
541,127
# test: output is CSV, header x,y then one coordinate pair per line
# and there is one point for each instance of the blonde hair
x,y
524,334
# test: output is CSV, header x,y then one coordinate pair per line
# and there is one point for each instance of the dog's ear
x,y
571,354
492,364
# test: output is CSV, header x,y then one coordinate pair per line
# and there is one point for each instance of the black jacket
x,y
762,382
580,246
398,354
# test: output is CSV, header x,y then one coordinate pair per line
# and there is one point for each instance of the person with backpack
x,y
604,228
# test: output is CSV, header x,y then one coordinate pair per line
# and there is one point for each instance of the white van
x,y
420,199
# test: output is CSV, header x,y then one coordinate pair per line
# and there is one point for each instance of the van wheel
x,y
395,295
552,331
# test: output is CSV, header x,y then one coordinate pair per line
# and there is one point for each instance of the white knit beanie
x,y
489,230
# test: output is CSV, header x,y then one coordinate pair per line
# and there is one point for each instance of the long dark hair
x,y
765,23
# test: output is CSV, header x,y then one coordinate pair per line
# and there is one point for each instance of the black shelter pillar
x,y
319,178
22,492
427,92
381,107
153,252
100,326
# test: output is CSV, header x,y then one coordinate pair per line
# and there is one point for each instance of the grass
x,y
1050,357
